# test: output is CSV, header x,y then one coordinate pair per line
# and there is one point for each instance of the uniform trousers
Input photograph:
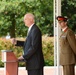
x,y
35,72
68,69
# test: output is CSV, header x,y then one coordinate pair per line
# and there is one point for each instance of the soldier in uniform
x,y
67,47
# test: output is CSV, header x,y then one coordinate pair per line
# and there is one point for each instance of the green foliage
x,y
5,44
48,50
47,45
68,9
1,63
13,11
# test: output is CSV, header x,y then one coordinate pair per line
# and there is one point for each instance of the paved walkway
x,y
47,71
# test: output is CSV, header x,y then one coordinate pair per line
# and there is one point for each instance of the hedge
x,y
47,47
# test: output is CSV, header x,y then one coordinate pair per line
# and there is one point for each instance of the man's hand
x,y
21,58
13,41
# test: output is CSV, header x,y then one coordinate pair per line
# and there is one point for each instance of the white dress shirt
x,y
30,28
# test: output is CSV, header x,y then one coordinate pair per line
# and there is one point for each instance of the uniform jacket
x,y
33,49
67,47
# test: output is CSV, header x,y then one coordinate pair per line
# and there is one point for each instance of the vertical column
x,y
55,39
58,35
57,30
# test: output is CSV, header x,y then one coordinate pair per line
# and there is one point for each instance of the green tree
x,y
68,9
12,12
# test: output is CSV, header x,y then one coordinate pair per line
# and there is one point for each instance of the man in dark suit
x,y
32,47
67,47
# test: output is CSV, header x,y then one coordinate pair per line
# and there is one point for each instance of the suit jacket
x,y
67,47
33,49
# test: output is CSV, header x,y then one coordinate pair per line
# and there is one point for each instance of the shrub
x,y
47,46
48,50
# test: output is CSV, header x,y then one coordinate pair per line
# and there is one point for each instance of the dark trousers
x,y
69,69
35,72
